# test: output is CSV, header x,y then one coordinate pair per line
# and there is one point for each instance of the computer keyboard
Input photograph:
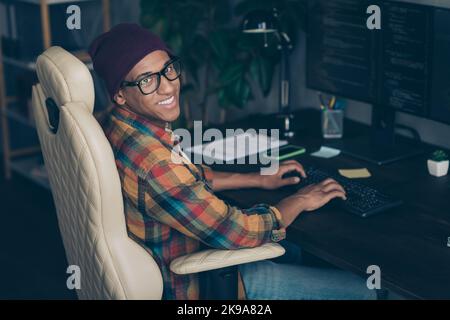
x,y
362,199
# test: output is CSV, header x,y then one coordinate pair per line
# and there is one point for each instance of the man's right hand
x,y
317,195
309,198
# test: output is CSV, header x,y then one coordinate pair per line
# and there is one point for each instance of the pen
x,y
332,102
322,102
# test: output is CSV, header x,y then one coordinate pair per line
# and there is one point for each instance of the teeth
x,y
167,101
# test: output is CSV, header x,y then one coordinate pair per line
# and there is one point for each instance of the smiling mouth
x,y
167,101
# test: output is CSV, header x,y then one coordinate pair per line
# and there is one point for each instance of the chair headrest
x,y
64,78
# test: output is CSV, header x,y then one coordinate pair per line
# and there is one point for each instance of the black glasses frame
x,y
138,83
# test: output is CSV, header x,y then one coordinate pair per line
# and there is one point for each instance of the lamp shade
x,y
259,21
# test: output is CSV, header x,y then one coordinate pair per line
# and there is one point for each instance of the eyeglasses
x,y
150,82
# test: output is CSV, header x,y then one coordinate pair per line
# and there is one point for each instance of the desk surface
x,y
408,243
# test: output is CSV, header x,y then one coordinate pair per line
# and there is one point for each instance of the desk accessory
x,y
438,163
332,117
265,22
326,152
235,147
355,173
288,151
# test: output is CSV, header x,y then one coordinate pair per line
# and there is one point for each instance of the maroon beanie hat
x,y
116,52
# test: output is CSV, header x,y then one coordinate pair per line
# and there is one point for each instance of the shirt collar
x,y
144,124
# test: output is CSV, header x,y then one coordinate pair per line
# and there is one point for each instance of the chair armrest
x,y
215,258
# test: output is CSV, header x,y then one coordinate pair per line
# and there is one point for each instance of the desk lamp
x,y
264,22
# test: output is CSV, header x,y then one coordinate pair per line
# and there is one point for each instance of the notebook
x,y
236,147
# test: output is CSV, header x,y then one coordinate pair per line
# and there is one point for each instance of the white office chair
x,y
86,189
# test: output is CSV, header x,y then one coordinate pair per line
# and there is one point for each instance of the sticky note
x,y
355,173
326,152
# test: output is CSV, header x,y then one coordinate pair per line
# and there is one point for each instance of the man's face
x,y
161,105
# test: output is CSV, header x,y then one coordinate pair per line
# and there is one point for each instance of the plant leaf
x,y
231,74
219,45
261,71
222,98
239,92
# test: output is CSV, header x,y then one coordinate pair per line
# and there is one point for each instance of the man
x,y
170,206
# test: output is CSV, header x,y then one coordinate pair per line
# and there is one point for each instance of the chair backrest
x,y
85,185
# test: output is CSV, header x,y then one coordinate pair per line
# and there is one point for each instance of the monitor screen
x,y
341,50
404,51
405,65
440,91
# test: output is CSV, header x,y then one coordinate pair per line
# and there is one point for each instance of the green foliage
x,y
202,33
439,155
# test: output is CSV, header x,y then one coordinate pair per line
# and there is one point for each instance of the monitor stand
x,y
382,146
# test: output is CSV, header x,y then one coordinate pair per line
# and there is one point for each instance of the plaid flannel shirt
x,y
170,208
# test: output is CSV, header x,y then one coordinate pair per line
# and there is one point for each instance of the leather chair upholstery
x,y
86,189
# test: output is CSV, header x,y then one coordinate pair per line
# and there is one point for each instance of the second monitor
x,y
402,67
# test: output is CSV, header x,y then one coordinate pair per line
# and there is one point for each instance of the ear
x,y
119,98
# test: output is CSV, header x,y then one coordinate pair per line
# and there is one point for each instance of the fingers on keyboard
x,y
333,186
335,194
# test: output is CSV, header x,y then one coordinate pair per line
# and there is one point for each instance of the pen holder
x,y
332,123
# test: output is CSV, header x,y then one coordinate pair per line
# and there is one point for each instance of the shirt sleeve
x,y
172,195
207,174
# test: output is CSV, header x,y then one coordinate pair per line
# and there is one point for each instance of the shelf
x,y
14,160
29,65
12,114
31,168
19,117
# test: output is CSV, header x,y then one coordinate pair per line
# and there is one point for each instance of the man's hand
x,y
309,198
275,181
317,195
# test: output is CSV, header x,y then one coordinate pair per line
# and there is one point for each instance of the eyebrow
x,y
151,72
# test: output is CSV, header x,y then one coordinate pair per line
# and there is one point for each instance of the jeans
x,y
291,279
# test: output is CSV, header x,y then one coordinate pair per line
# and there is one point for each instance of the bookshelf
x,y
27,161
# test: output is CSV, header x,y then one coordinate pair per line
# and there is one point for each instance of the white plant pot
x,y
438,169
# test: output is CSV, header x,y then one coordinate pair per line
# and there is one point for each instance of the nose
x,y
166,87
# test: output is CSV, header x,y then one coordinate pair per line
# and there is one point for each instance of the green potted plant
x,y
438,163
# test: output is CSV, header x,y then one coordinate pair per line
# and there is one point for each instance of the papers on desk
x,y
236,147
355,173
326,153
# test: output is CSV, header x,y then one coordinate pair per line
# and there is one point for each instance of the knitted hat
x,y
116,52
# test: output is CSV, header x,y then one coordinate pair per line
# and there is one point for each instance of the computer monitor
x,y
340,51
404,67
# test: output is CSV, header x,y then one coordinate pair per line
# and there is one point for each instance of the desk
x,y
408,243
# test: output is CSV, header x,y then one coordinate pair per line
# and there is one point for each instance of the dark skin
x,y
156,107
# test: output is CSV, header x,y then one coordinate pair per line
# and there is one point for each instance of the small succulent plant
x,y
439,155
